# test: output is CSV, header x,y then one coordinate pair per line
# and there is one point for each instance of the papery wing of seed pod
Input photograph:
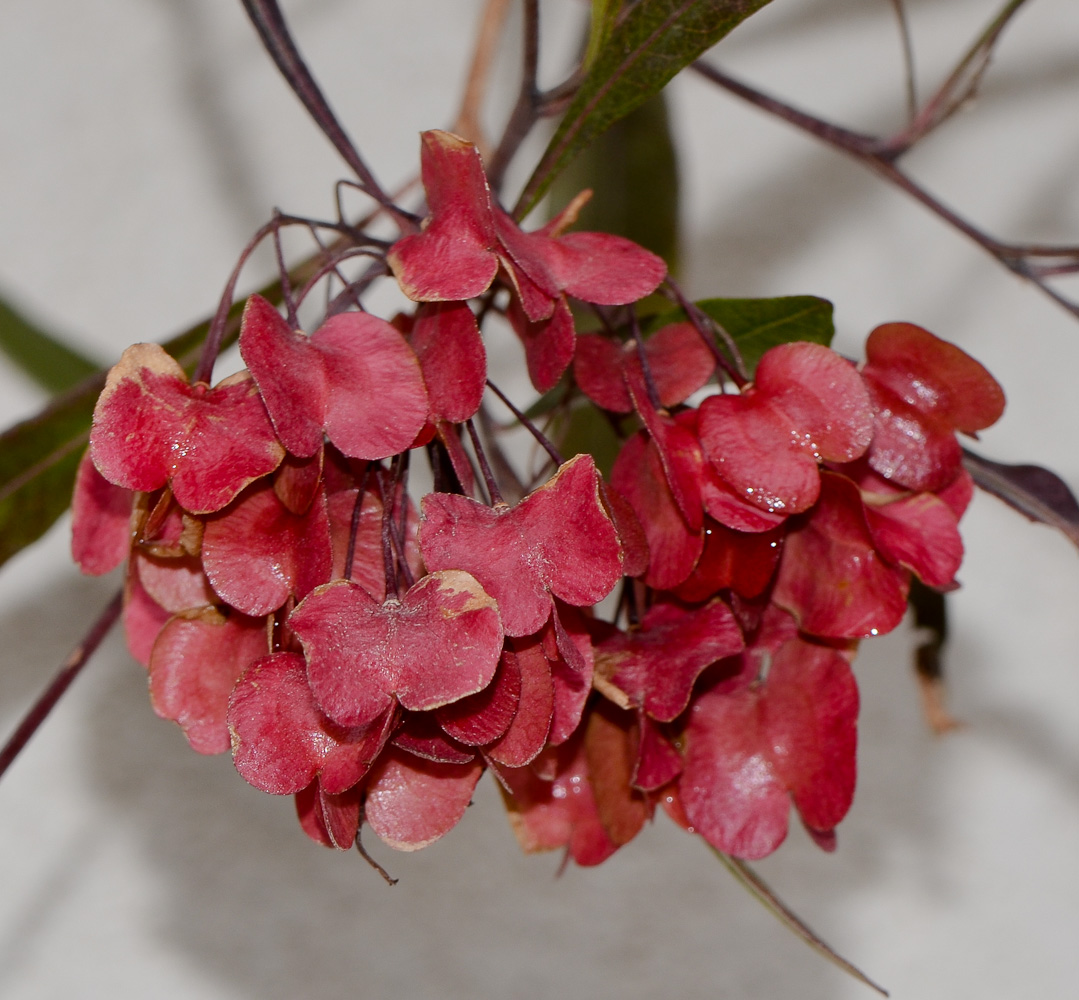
x,y
421,736
196,661
822,397
729,787
572,662
527,734
678,448
934,377
809,715
719,499
281,741
597,367
447,342
441,642
485,717
831,577
525,259
455,256
100,521
289,373
257,553
297,481
610,746
679,362
143,618
375,402
547,814
559,540
808,405
958,493
733,560
749,443
602,268
330,820
673,548
549,343
151,427
919,531
175,583
923,390
631,534
658,762
411,802
657,664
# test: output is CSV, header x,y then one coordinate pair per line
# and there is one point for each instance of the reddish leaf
x,y
411,802
280,739
809,724
152,428
355,377
439,643
447,342
100,521
830,576
258,553
656,664
454,258
558,541
196,661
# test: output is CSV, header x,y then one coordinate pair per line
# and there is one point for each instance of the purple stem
x,y
78,659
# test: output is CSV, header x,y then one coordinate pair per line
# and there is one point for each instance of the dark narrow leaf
x,y
632,170
931,614
42,356
643,52
758,888
1036,493
759,324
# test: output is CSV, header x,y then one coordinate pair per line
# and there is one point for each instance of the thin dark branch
x,y
78,659
526,110
541,439
880,156
900,8
270,24
488,476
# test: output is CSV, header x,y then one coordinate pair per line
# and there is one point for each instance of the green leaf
x,y
759,324
604,16
584,430
644,50
42,356
632,170
756,325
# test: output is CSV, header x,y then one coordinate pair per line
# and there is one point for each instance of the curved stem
x,y
73,665
880,156
270,24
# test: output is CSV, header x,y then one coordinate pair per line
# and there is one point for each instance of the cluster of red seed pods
x,y
373,657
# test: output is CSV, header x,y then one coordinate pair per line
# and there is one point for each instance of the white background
x,y
143,141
